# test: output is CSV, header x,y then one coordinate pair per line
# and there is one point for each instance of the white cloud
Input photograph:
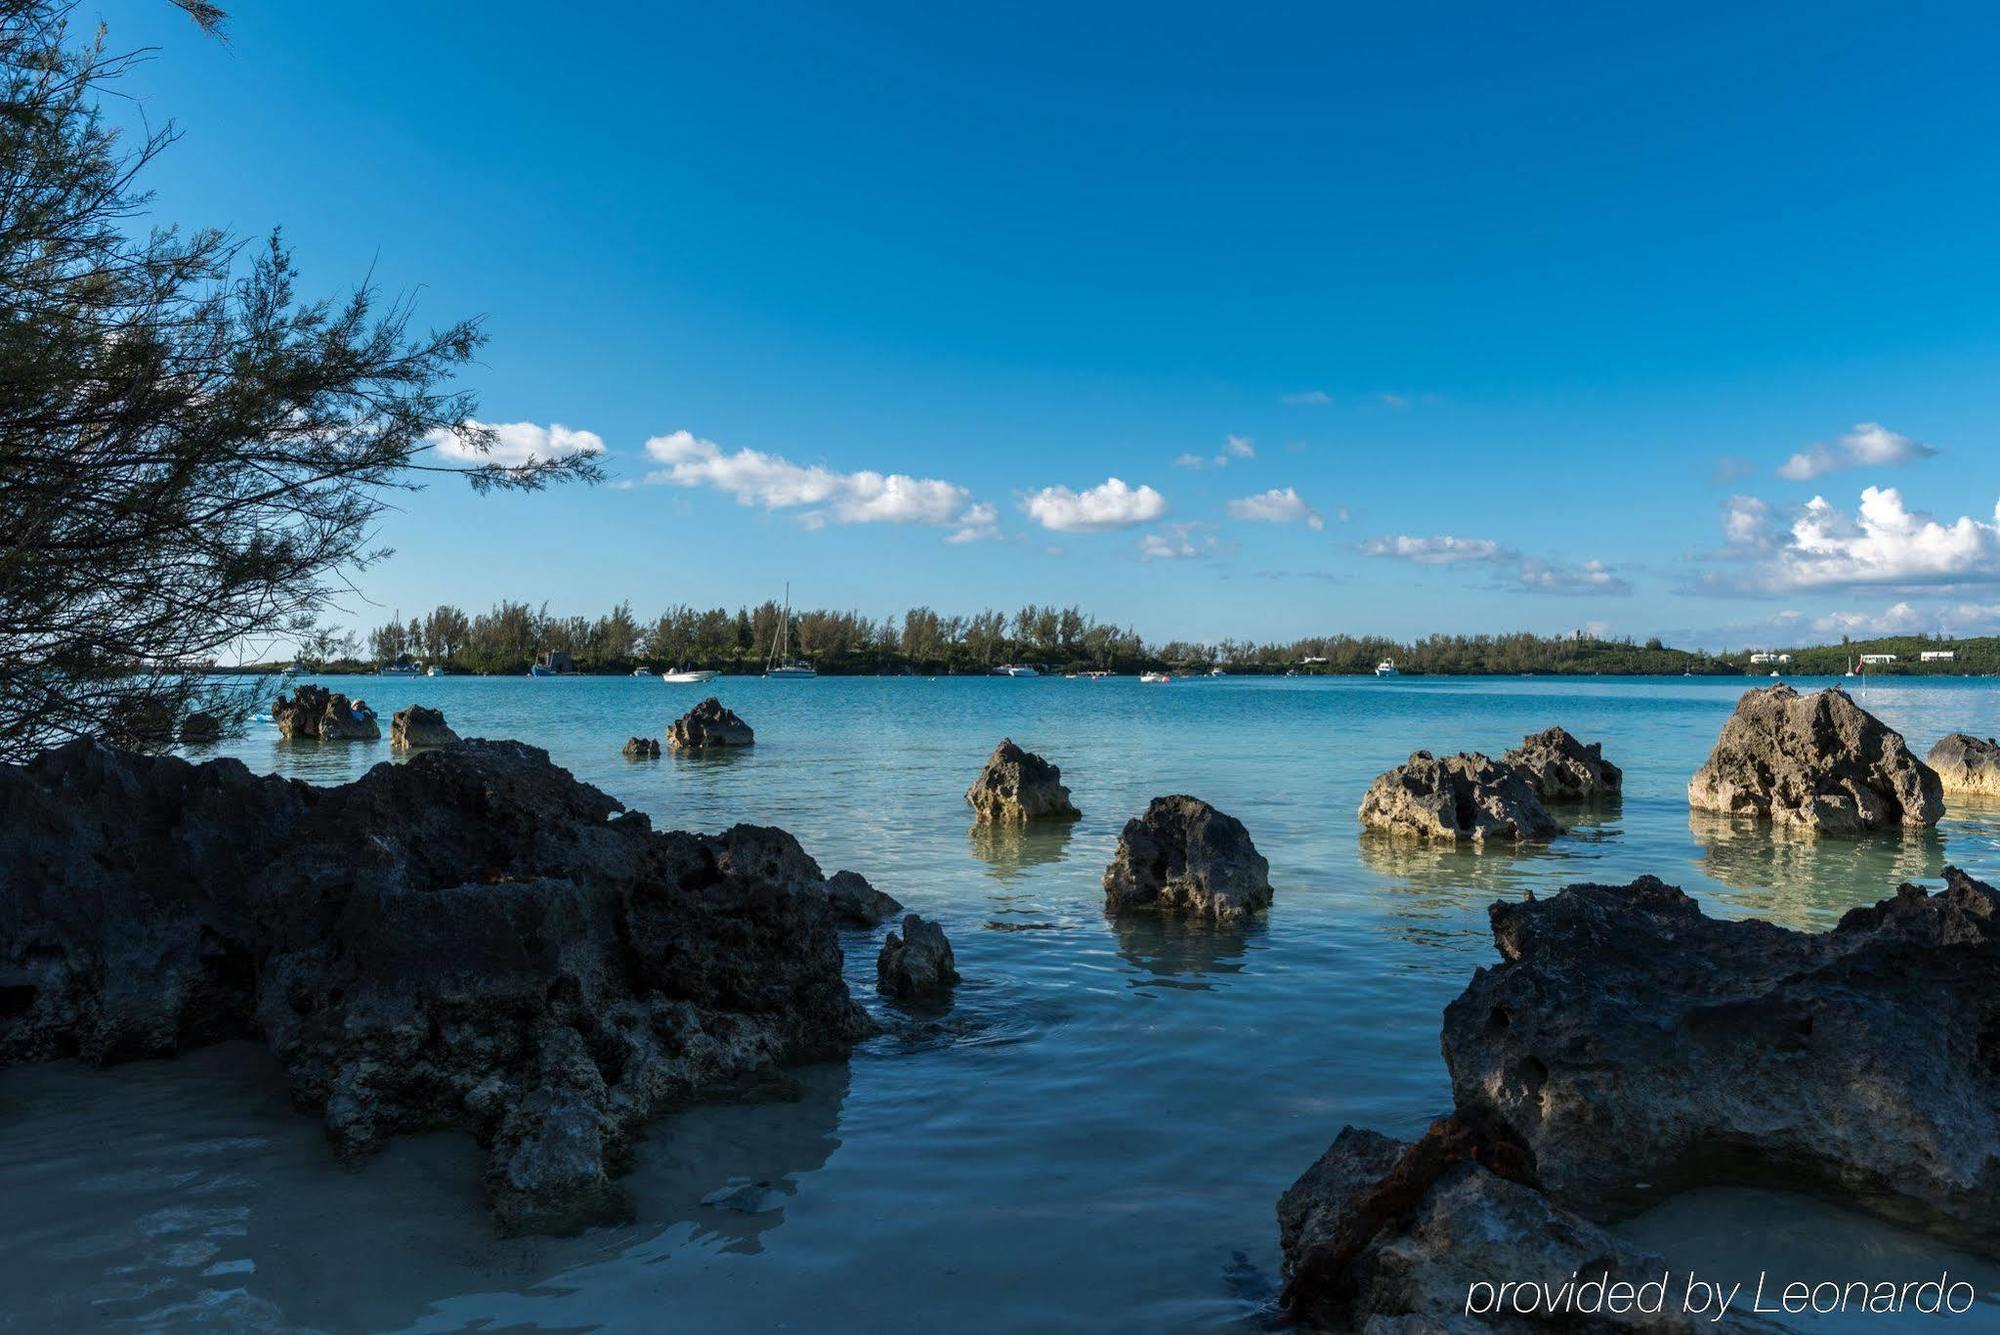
x,y
1110,504
1746,522
1190,461
515,443
865,497
1531,573
1176,542
1438,551
1588,578
1308,398
1276,507
1239,447
1868,445
1882,543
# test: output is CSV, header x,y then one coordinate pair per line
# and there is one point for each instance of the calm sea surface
x,y
1094,1139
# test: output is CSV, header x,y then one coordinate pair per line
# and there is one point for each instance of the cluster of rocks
x,y
315,713
1185,858
473,941
1472,797
1018,786
1628,1047
1815,763
709,725
419,727
642,748
1967,764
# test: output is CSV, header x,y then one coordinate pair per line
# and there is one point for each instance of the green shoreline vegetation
x,y
922,642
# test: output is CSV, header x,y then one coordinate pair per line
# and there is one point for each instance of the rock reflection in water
x,y
1173,952
1438,892
1009,850
1805,881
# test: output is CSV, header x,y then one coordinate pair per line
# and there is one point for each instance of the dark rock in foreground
x,y
200,728
471,941
1461,797
1966,764
1628,1039
418,727
858,904
1818,763
313,712
1019,786
1185,857
642,748
708,724
1562,769
918,965
1385,1236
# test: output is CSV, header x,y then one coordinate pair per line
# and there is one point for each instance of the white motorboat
x,y
781,666
1155,678
434,671
400,668
690,676
1387,668
1016,670
1217,672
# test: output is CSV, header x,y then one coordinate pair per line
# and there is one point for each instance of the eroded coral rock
x,y
1186,858
1562,769
707,725
642,748
315,713
1019,786
417,727
916,965
1967,764
1467,797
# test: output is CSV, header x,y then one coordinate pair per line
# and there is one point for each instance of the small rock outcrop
x,y
642,748
417,727
1386,1236
200,728
1815,763
707,725
1186,858
858,904
917,965
1966,764
1458,798
471,941
1019,786
315,713
1627,1038
1562,769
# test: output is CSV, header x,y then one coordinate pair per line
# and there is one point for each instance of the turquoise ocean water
x,y
1093,1140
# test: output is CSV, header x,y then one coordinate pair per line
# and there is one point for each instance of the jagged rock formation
x,y
1461,797
1965,764
417,727
642,748
917,965
858,904
708,724
1184,857
1627,1038
1018,786
1562,769
471,941
313,712
1817,763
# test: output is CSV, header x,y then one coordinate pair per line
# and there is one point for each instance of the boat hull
x,y
689,678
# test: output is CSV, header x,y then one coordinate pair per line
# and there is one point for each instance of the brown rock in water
x,y
1626,1038
471,941
1461,797
1184,857
708,724
1019,786
1817,763
417,726
313,712
1965,764
918,965
200,728
642,748
1562,769
858,904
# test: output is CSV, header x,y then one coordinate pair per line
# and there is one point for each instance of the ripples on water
x,y
1092,1139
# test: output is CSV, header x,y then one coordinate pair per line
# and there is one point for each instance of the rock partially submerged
x,y
1562,769
707,725
471,941
1815,763
858,904
642,748
1184,857
418,727
315,713
1019,786
1966,764
200,728
1628,1039
1458,798
917,965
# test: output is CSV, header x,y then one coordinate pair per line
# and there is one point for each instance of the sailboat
x,y
781,666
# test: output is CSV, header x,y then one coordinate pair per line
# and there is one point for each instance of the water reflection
x,y
1177,953
1805,881
1009,850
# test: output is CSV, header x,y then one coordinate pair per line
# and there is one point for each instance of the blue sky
x,y
1386,319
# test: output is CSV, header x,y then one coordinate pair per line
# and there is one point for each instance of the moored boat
x,y
1387,668
1155,678
781,666
690,676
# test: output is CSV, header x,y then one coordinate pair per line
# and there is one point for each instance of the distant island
x,y
512,636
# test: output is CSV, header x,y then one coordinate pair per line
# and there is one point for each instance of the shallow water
x,y
1093,1140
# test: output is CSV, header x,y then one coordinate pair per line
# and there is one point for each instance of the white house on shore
x,y
1878,658
1761,657
1937,655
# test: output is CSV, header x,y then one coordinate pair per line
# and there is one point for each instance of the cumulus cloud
x,y
1176,542
1530,573
1111,504
514,443
1746,522
1276,507
1233,448
1883,543
821,494
1307,398
1868,445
